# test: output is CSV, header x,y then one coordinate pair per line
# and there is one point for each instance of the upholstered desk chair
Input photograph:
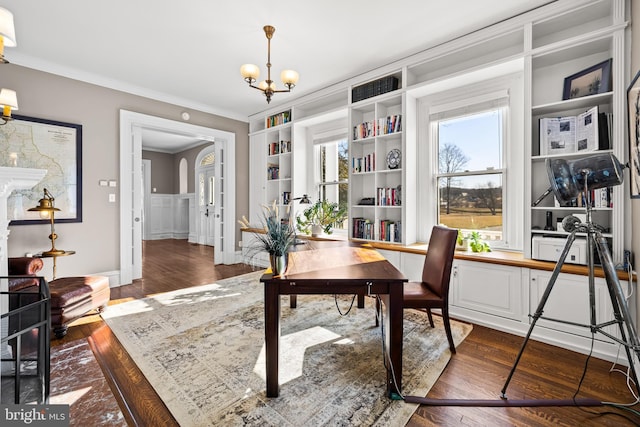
x,y
433,290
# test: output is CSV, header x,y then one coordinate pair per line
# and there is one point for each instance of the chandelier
x,y
250,72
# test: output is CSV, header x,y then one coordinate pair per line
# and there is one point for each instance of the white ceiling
x,y
189,53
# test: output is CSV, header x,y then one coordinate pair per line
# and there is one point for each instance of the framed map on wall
x,y
29,142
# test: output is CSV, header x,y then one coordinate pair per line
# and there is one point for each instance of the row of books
x,y
273,171
278,147
374,88
364,164
388,196
383,126
278,119
363,228
600,198
390,231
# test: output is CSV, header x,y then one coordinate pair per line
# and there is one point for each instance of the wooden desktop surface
x,y
336,268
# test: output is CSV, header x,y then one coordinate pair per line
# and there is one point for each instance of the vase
x,y
317,231
279,263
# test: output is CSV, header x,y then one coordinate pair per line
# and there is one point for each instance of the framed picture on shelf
x,y
633,118
591,81
51,145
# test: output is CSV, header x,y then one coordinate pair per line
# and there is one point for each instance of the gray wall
x,y
163,172
96,240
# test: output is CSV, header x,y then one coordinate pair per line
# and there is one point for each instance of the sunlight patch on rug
x,y
205,357
293,348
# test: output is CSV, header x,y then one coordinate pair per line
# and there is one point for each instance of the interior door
x,y
137,204
208,207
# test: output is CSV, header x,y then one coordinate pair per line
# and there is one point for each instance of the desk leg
x,y
360,300
293,301
393,339
272,336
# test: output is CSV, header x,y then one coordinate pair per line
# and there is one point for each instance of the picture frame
x,y
633,121
591,81
44,144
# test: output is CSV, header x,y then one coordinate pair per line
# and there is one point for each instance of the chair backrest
x,y
437,264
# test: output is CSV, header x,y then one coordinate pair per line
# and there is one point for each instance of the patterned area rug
x,y
202,350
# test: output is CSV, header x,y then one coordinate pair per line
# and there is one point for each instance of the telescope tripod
x,y
628,334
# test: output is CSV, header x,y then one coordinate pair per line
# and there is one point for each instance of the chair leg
x,y
447,329
430,317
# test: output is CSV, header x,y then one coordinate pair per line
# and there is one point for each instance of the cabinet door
x,y
569,301
487,288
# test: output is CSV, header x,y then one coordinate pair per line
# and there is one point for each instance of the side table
x,y
55,258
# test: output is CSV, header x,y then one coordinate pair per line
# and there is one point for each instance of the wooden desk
x,y
336,268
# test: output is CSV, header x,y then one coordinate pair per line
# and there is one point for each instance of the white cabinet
x,y
569,302
487,288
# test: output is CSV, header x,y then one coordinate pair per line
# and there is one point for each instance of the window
x,y
332,173
471,158
470,172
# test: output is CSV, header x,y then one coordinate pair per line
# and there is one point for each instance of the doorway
x,y
131,191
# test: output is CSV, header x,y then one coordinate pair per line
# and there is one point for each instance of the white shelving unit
x,y
563,45
375,189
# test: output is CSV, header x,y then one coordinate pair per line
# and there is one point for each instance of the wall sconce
x,y
7,32
8,102
46,208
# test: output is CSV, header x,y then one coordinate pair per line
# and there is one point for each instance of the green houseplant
x,y
275,237
321,217
477,244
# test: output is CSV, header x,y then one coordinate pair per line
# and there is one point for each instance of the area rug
x,y
202,350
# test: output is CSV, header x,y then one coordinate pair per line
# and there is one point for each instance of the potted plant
x,y
276,237
477,244
321,217
462,243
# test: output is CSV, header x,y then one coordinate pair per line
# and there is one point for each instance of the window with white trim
x,y
470,171
331,160
471,142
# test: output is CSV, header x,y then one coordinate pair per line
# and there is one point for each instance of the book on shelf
x,y
273,171
278,119
390,231
382,126
586,132
286,197
362,228
388,196
364,164
278,147
600,198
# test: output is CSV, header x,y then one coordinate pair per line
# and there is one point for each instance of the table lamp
x,y
46,208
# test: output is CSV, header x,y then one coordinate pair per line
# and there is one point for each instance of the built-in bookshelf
x,y
565,130
376,209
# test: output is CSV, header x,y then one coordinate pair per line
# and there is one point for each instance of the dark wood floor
x,y
477,371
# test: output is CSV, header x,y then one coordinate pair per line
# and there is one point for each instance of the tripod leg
x,y
620,307
540,309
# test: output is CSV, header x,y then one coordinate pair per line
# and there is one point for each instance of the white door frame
x,y
130,121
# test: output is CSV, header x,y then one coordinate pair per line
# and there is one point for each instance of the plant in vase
x,y
276,238
462,242
477,244
321,217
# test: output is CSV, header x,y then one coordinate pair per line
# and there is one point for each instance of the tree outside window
x,y
470,189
